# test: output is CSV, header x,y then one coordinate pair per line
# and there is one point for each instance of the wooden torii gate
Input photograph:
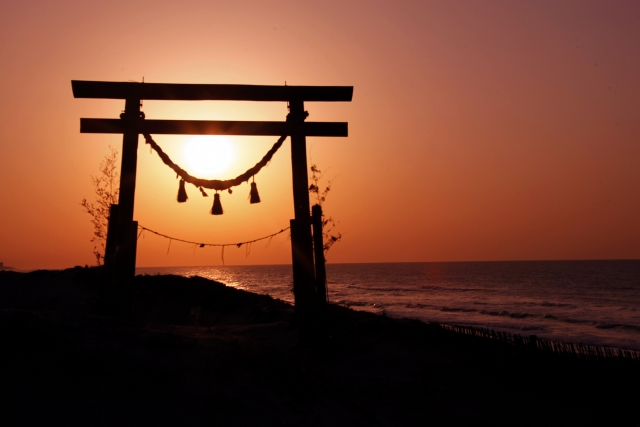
x,y
122,235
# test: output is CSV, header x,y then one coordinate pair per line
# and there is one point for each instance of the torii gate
x,y
131,125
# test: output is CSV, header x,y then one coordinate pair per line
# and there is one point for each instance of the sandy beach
x,y
245,364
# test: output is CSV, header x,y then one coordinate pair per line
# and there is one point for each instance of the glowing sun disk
x,y
209,155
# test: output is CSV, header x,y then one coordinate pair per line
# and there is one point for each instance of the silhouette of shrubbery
x,y
106,186
329,235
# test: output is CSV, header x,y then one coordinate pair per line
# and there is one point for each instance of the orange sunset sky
x,y
478,130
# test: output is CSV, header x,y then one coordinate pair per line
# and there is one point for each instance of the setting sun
x,y
208,156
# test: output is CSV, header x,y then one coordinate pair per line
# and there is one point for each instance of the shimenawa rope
x,y
216,184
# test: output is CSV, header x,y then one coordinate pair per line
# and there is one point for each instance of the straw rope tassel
x,y
217,206
254,197
182,192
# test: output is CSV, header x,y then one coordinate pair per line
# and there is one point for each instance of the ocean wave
x,y
348,303
412,289
356,303
418,305
594,323
547,304
578,321
457,309
376,289
447,288
555,304
604,325
506,313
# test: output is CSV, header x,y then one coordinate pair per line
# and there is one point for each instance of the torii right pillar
x,y
304,288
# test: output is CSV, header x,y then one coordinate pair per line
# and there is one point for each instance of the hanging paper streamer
x,y
182,192
204,194
217,206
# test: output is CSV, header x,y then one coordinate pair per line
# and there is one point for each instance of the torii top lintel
x,y
133,92
208,92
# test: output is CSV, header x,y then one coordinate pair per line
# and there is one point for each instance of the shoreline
x,y
408,262
519,298
245,363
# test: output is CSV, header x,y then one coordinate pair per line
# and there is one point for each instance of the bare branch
x,y
329,237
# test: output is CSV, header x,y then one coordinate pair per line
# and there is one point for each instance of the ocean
x,y
590,302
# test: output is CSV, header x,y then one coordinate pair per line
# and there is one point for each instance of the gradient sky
x,y
494,130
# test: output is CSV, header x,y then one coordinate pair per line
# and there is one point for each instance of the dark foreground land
x,y
246,365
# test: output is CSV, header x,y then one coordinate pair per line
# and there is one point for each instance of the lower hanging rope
x,y
202,245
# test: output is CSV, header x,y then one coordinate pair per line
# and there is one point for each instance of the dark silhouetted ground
x,y
246,366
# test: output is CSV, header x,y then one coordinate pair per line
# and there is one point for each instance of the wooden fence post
x,y
112,233
131,273
318,251
106,298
